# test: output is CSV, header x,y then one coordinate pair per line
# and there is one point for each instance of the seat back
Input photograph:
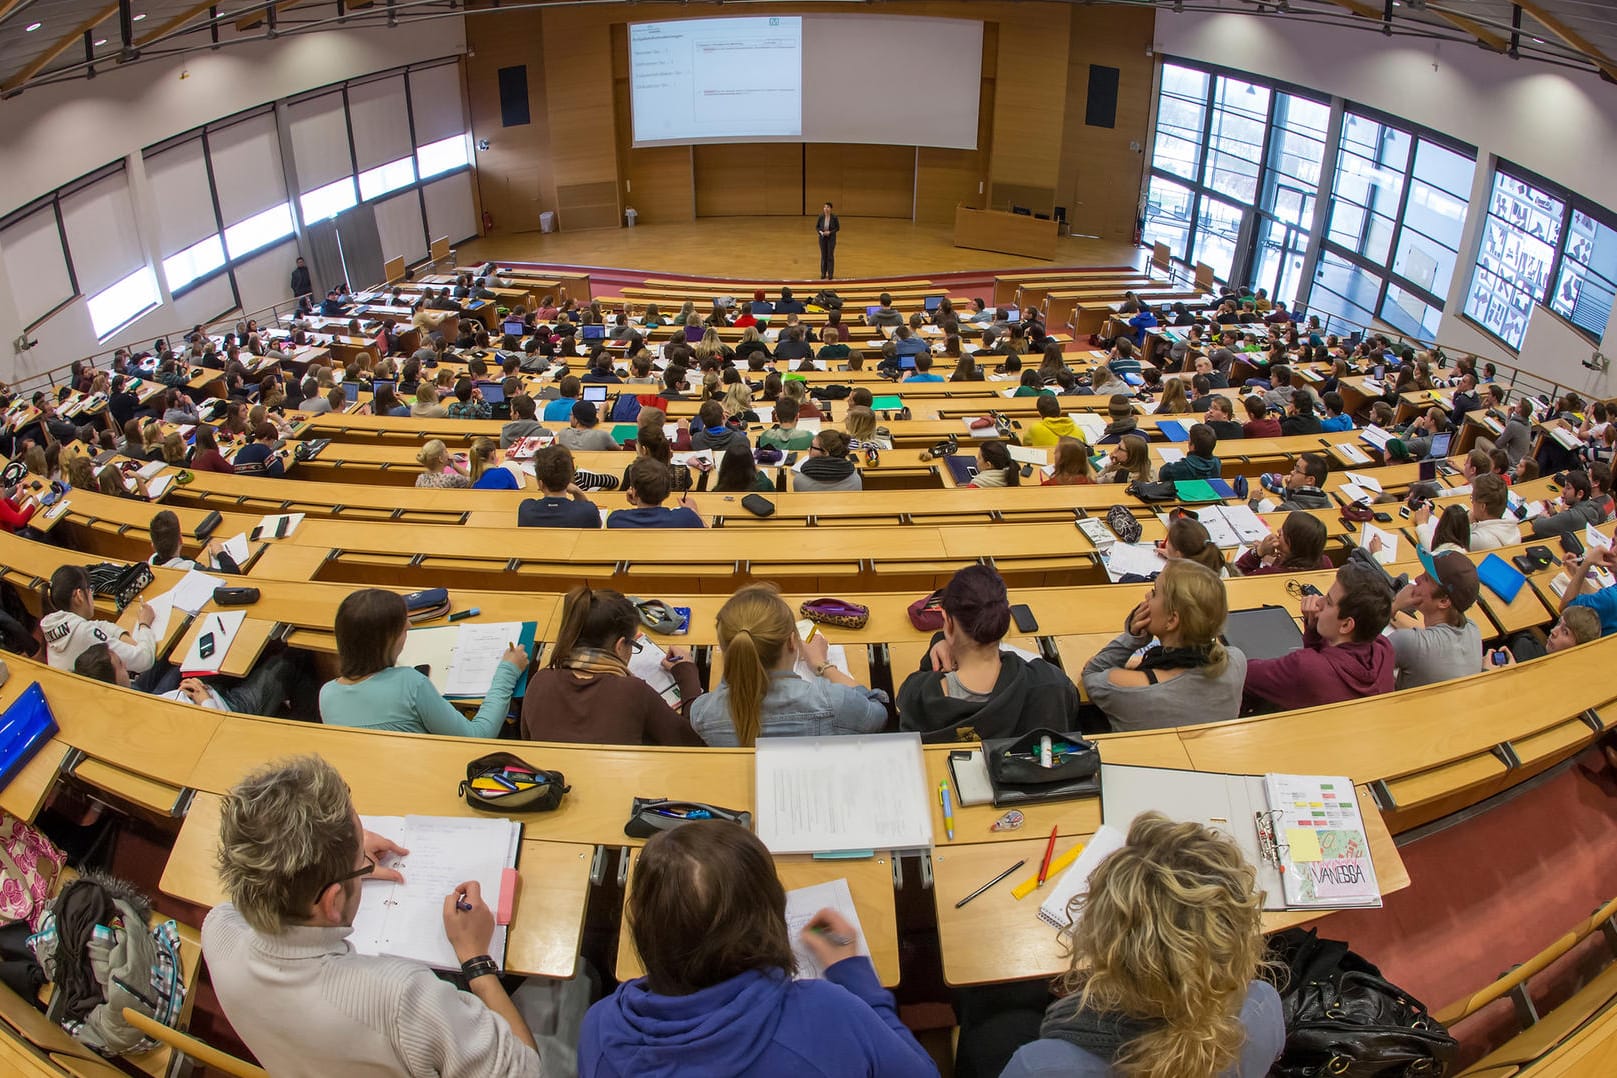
x,y
203,1053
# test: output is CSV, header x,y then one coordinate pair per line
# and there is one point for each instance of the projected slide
x,y
709,79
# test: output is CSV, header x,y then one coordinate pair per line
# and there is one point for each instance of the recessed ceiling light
x,y
31,27
139,17
100,42
1538,41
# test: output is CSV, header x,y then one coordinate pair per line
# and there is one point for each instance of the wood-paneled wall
x,y
1102,168
577,156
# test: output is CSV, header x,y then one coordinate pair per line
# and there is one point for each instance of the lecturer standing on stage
x,y
827,225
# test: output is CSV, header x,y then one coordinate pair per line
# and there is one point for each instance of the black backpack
x,y
1343,1018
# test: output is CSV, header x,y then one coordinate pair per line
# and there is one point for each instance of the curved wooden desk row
x,y
1402,744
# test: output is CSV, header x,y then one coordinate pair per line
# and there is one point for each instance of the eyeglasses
x,y
365,870
816,447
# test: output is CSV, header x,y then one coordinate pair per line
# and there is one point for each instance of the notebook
x,y
848,792
461,659
802,903
1303,834
1057,908
1173,430
406,920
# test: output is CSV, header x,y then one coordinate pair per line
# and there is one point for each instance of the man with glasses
x,y
292,854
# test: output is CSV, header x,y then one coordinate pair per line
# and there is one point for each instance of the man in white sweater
x,y
292,854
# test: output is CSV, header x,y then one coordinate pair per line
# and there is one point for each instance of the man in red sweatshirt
x,y
1343,657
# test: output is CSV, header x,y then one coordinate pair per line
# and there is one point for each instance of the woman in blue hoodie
x,y
708,917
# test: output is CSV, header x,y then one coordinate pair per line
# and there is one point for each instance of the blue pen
x,y
503,781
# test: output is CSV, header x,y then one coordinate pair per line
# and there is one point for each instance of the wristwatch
x,y
478,966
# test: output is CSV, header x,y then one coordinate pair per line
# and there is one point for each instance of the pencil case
x,y
649,815
839,612
1016,774
504,782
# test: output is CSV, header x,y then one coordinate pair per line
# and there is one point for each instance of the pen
x,y
1049,849
990,883
462,905
461,615
217,620
836,938
948,808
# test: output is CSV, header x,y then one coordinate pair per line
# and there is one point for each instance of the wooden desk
x,y
997,937
1009,233
545,928
870,882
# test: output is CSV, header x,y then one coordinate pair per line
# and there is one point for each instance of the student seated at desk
x,y
1128,461
488,470
262,692
1188,676
1298,547
523,424
563,504
1199,463
739,473
761,696
586,693
292,855
561,409
968,687
707,914
785,434
1576,508
828,466
710,431
1444,643
372,693
1602,602
1336,419
1188,538
70,626
923,369
166,541
1073,465
995,467
648,488
1576,625
1051,426
650,444
1343,657
438,468
583,433
260,457
1164,974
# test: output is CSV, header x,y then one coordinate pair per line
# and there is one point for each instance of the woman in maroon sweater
x,y
587,695
1298,547
207,457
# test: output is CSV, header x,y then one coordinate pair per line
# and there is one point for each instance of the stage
x,y
783,248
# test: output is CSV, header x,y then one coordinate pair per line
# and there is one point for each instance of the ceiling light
x,y
1538,41
139,17
31,27
100,42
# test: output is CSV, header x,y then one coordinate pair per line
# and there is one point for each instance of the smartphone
x,y
791,458
1500,657
1404,512
1309,589
1024,619
1572,544
971,471
205,645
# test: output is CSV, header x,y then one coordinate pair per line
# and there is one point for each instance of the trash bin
x,y
631,215
547,221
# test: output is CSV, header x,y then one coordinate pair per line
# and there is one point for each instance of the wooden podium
x,y
1008,233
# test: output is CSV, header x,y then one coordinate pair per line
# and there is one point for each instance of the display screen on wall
x,y
790,78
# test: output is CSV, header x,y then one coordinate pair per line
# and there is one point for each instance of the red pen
x,y
1049,849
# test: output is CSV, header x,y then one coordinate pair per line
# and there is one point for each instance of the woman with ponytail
x,y
70,626
1184,675
587,694
1166,960
488,471
1188,539
762,695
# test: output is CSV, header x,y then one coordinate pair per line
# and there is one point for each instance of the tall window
x,y
1536,234
116,306
1291,187
1398,204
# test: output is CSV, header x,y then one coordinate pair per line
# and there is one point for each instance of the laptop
x,y
377,387
493,392
1265,633
870,312
1440,446
932,303
24,726
906,363
514,327
350,390
596,394
592,333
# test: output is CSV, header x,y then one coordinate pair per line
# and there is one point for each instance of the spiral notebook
x,y
405,920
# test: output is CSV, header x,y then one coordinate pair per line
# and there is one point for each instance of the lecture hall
x,y
1110,567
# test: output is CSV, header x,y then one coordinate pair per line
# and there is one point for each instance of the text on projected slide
x,y
716,78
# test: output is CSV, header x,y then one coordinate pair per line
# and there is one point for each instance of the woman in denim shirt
x,y
761,696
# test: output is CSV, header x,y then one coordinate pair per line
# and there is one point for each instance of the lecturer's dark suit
x,y
828,244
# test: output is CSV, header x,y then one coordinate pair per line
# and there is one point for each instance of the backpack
x,y
29,866
95,946
827,299
625,409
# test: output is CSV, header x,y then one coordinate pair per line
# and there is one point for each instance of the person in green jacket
x,y
785,434
1051,426
1199,463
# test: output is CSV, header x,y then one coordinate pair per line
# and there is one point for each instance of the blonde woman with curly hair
x,y
1167,955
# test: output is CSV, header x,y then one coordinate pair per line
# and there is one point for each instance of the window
x,y
444,155
196,261
115,307
259,230
1588,281
384,178
328,201
1167,216
1520,236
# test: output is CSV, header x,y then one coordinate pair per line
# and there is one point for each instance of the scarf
x,y
1103,1034
1158,657
593,661
828,469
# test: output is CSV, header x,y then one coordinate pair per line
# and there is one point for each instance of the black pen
x,y
990,883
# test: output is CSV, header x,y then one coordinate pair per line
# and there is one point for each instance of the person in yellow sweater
x,y
1051,426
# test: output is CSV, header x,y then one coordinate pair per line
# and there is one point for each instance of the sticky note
x,y
1304,844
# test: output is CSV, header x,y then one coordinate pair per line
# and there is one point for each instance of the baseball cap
x,y
1455,574
586,413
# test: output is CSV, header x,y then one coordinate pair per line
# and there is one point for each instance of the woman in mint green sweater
x,y
372,693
